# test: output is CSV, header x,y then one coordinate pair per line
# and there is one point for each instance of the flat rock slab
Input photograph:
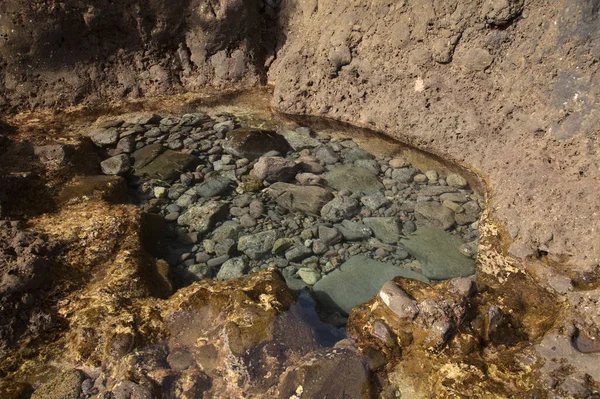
x,y
254,143
353,178
167,165
357,281
439,255
147,154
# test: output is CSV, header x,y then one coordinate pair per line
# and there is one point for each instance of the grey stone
x,y
247,221
355,154
54,153
218,261
233,268
116,165
298,253
374,201
434,214
224,247
340,208
307,199
166,166
126,145
177,190
145,155
274,169
404,175
259,244
229,229
408,226
329,235
202,218
439,254
309,276
354,231
353,178
105,137
369,164
256,209
387,229
455,180
253,143
213,186
326,155
357,281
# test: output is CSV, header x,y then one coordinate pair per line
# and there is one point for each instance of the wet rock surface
x,y
237,331
305,230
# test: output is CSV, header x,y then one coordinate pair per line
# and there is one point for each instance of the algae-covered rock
x,y
66,385
439,254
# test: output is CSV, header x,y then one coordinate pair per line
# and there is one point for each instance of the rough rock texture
x,y
519,104
59,54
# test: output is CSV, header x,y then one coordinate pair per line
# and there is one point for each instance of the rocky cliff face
x,y
507,88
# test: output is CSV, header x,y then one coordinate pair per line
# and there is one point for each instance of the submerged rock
x,y
439,254
254,143
328,373
308,199
353,178
202,218
356,281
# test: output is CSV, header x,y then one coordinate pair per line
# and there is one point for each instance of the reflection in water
x,y
326,334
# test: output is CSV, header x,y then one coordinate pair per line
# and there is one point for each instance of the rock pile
x,y
237,200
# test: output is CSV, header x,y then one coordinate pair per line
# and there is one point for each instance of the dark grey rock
x,y
54,153
218,261
404,175
355,154
126,145
213,187
299,139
